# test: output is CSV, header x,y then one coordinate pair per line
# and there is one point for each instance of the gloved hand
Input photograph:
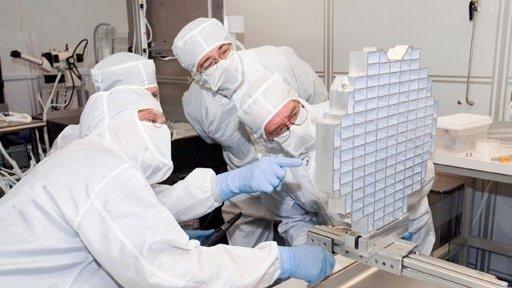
x,y
309,263
264,175
199,235
408,236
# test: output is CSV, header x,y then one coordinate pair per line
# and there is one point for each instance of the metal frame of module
x,y
375,140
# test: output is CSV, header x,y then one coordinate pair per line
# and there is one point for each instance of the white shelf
x,y
475,162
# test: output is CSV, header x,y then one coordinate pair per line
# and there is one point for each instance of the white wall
x,y
294,23
34,26
441,28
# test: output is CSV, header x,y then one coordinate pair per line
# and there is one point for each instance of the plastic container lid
x,y
463,121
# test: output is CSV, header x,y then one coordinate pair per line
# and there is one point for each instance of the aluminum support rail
x,y
385,250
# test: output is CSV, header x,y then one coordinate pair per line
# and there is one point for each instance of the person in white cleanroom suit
x,y
199,46
119,69
286,125
87,216
126,69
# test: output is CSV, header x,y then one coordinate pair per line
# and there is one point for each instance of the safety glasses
x,y
295,117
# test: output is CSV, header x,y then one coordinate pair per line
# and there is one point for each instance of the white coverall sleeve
x,y
311,87
191,197
139,243
214,119
295,220
193,106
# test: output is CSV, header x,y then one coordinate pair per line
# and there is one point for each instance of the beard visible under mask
x,y
225,77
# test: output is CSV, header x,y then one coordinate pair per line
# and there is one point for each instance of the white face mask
x,y
301,139
157,157
224,77
146,144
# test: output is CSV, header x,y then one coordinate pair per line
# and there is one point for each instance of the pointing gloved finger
x,y
288,162
408,236
278,171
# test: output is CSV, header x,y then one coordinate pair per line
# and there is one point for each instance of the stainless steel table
x,y
349,273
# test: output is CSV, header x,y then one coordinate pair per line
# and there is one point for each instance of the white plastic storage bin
x,y
459,132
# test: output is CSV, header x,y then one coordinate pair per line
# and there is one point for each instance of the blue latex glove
x,y
309,263
264,175
199,235
408,236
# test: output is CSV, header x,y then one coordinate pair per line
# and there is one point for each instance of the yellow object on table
x,y
507,159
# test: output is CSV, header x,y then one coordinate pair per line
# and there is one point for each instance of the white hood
x,y
113,116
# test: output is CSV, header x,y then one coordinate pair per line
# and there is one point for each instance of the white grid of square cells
x,y
384,140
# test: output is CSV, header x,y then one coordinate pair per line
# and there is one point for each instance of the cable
x,y
147,24
39,148
53,102
149,29
7,182
16,169
78,45
72,91
470,101
134,38
74,70
68,100
32,160
72,66
9,176
45,110
39,99
473,6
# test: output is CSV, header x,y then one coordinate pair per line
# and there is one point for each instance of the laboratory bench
x,y
350,273
472,166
